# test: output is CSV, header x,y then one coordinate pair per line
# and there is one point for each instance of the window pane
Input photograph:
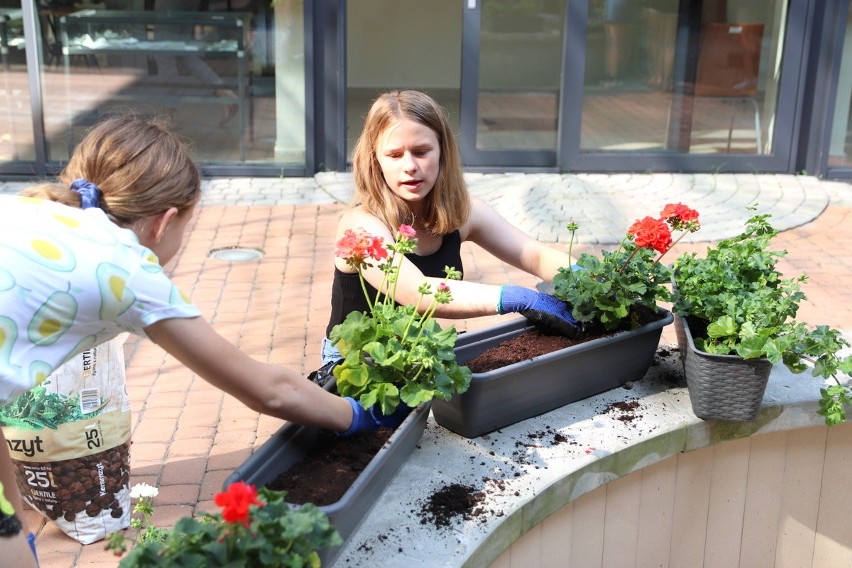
x,y
840,149
520,63
16,123
419,48
222,74
638,88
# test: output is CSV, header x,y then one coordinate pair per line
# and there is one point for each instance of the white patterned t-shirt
x,y
71,279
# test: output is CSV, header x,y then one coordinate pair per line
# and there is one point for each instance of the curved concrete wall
x,y
776,499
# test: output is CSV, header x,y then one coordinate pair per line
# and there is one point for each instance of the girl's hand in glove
x,y
548,314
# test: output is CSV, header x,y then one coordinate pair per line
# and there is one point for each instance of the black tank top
x,y
347,295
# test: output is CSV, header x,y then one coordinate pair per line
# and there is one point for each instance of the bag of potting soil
x,y
69,438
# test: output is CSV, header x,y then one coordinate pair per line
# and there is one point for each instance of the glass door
x,y
512,69
417,46
688,86
627,85
840,142
18,145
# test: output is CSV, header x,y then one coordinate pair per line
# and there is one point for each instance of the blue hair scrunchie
x,y
90,194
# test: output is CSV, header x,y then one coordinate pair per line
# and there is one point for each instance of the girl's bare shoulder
x,y
359,218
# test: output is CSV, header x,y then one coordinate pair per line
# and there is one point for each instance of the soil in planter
x,y
532,343
330,468
697,326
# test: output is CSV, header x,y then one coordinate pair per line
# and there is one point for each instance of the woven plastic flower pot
x,y
721,387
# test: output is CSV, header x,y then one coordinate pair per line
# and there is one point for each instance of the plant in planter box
x,y
617,346
737,304
393,353
611,290
395,360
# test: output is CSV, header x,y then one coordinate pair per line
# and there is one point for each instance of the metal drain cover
x,y
236,254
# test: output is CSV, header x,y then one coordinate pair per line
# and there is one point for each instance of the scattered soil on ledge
x,y
457,501
625,410
669,362
450,502
330,468
461,502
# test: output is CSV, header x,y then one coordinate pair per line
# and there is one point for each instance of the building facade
x,y
272,88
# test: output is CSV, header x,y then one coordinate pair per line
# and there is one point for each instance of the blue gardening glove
x,y
373,419
392,420
548,314
362,419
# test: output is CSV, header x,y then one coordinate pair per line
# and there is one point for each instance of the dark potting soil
x,y
330,468
522,347
532,343
449,502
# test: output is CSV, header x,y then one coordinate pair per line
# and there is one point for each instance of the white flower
x,y
142,490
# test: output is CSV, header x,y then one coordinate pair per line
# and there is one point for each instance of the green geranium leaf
x,y
385,395
389,354
722,327
413,394
351,376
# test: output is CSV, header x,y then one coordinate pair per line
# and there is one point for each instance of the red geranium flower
x,y
359,245
651,233
235,502
680,217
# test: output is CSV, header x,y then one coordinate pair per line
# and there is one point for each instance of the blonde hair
x,y
448,204
140,166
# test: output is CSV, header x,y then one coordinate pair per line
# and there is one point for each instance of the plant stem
x,y
395,272
671,246
427,313
370,303
411,319
570,250
629,258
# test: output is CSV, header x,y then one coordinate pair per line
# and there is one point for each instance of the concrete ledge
x,y
526,475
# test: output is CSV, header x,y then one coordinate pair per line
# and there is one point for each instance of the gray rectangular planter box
x,y
292,442
522,390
